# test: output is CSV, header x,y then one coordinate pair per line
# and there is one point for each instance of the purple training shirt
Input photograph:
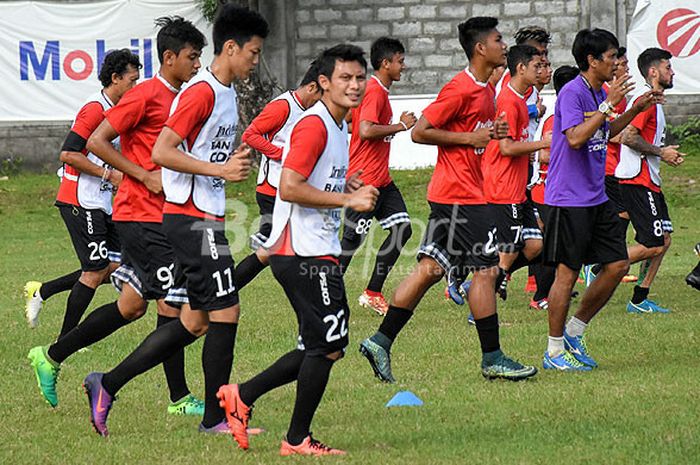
x,y
576,177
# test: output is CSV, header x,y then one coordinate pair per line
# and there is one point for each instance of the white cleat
x,y
33,303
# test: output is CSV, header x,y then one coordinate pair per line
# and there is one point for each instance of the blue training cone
x,y
404,399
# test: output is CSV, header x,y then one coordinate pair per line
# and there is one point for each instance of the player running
x,y
146,271
304,250
461,122
194,148
85,199
372,132
268,133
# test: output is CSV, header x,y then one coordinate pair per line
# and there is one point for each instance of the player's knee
x,y
197,327
619,268
93,279
131,309
335,356
655,251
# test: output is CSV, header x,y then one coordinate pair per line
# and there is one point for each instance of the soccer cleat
x,y
502,290
375,302
46,372
458,292
563,361
309,446
576,346
33,303
646,306
188,405
237,413
506,368
531,285
693,278
588,275
379,359
629,278
542,304
470,319
100,402
219,428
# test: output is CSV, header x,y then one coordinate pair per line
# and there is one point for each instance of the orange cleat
x,y
629,278
375,301
309,446
531,285
237,413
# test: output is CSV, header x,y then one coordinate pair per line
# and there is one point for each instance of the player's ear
x,y
231,47
169,57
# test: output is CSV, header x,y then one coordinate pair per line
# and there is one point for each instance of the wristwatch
x,y
606,108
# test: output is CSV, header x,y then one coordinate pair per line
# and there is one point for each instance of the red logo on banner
x,y
679,33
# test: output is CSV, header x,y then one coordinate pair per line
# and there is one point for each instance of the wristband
x,y
405,128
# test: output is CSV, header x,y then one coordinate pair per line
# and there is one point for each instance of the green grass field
x,y
640,406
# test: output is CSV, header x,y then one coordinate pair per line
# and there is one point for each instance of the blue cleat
x,y
470,319
563,362
576,345
646,306
457,290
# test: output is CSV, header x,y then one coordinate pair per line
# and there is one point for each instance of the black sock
x,y
78,300
640,294
349,244
57,285
596,268
217,360
283,371
394,321
247,270
98,325
520,262
488,333
544,276
156,348
174,367
311,384
388,254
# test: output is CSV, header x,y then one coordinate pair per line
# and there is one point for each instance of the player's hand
x,y
354,182
648,99
363,199
547,138
237,168
671,155
541,107
115,177
409,119
154,182
500,127
480,138
619,88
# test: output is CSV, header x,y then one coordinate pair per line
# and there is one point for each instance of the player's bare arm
x,y
425,133
632,138
646,100
512,148
373,131
81,163
295,189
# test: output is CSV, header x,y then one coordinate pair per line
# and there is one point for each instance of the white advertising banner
x,y
51,53
673,25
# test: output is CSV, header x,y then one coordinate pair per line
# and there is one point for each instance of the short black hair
x,y
532,33
384,48
651,57
117,61
238,24
592,42
311,75
518,54
174,35
622,51
341,52
563,75
474,30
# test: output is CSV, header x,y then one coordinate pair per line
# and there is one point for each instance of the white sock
x,y
555,345
575,327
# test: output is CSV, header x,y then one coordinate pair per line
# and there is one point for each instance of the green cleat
x,y
188,405
506,368
379,360
46,372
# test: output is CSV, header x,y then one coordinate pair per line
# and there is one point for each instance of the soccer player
x,y
461,122
85,198
194,148
583,226
304,250
146,270
505,165
544,274
268,133
641,155
372,131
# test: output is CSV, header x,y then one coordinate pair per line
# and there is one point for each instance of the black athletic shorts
x,y
204,260
577,236
316,290
612,190
460,235
148,262
648,213
515,223
541,211
390,210
266,204
93,235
